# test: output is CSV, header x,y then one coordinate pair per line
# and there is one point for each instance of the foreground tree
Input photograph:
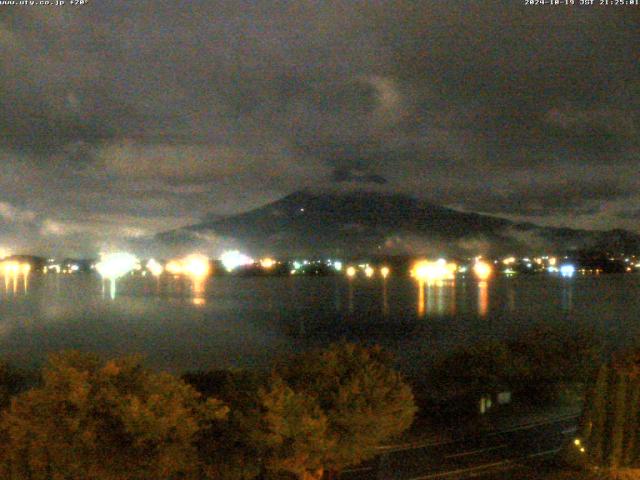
x,y
554,357
97,420
541,365
292,432
364,399
611,419
12,382
475,370
314,414
231,449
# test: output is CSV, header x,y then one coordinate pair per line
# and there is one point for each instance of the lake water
x,y
247,321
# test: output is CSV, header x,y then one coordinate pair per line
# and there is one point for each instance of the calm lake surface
x,y
248,321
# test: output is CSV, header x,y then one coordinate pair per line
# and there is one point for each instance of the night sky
x,y
120,119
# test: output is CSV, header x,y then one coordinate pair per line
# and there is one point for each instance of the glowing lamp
x,y
482,270
233,259
429,271
267,263
196,265
115,265
174,267
154,267
567,270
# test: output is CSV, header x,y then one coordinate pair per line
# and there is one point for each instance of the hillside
x,y
365,223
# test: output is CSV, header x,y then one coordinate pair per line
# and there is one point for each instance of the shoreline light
x,y
154,267
430,271
267,263
482,270
196,265
115,265
567,270
233,259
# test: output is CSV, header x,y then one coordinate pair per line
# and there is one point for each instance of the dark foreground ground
x,y
525,451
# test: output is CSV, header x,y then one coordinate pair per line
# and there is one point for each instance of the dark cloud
x,y
124,118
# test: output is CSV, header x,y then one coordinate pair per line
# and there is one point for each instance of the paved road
x,y
483,455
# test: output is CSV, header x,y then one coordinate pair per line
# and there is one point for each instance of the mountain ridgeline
x,y
364,223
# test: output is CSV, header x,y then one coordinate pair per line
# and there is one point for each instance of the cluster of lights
x,y
192,265
13,268
314,266
430,271
368,271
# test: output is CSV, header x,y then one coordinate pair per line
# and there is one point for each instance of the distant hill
x,y
366,223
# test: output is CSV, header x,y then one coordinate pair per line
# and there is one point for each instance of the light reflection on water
x,y
483,298
15,284
184,323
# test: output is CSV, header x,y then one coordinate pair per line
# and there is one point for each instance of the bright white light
x,y
234,259
351,272
154,267
297,265
337,265
369,271
567,270
115,265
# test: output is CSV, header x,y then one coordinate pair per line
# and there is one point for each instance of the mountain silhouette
x,y
369,223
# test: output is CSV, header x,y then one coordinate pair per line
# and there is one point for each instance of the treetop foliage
x,y
103,420
92,419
